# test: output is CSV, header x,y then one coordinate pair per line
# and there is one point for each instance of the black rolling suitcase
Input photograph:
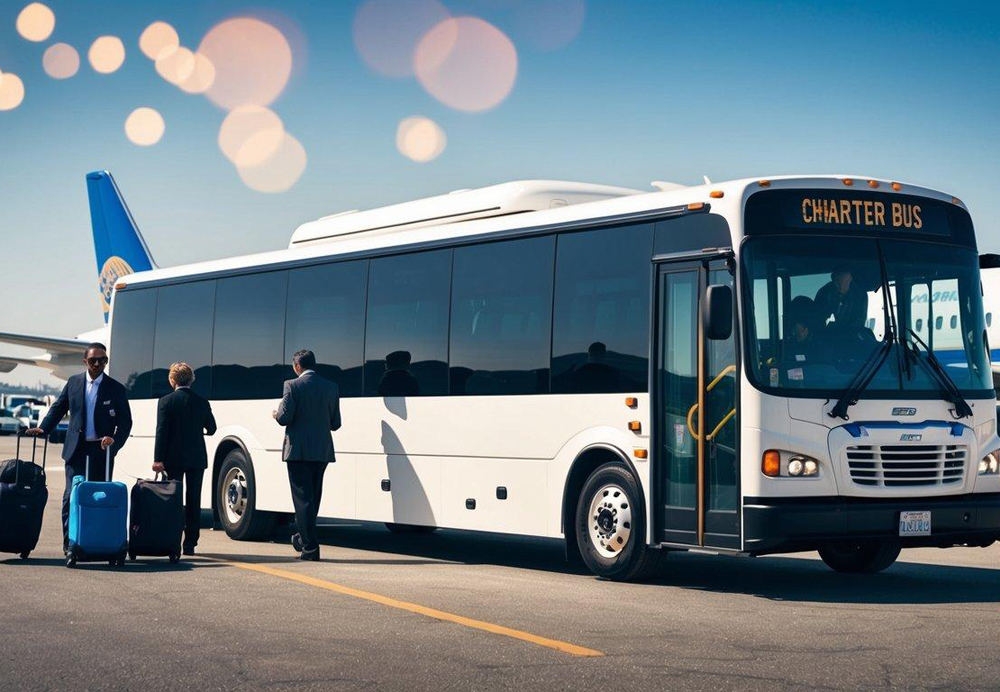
x,y
156,519
22,501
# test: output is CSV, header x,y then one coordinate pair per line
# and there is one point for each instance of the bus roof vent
x,y
461,205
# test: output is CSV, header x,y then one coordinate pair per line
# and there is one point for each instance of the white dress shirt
x,y
91,401
306,372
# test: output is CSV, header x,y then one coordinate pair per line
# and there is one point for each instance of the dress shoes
x,y
188,550
310,555
297,542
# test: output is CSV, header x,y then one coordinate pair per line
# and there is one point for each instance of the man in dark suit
x,y
183,418
309,410
99,419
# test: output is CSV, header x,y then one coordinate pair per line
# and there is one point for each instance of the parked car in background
x,y
9,425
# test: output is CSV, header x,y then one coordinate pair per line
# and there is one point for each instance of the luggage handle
x,y
34,448
107,466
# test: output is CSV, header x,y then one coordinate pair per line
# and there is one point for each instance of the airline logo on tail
x,y
118,244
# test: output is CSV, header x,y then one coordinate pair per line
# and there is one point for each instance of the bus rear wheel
x,y
236,500
611,526
860,557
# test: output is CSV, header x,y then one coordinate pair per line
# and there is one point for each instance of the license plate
x,y
914,523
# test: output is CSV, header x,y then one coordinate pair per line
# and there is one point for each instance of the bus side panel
x,y
398,488
502,495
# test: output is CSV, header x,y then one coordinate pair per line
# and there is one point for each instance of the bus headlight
x,y
989,465
802,466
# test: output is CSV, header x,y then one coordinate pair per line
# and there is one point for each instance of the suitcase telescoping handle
x,y
34,447
107,466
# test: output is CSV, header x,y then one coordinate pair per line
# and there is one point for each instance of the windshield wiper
x,y
875,359
941,376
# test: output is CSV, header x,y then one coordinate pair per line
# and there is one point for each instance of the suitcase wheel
x,y
25,554
131,556
71,561
174,559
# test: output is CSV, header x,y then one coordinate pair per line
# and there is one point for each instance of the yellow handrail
x,y
694,407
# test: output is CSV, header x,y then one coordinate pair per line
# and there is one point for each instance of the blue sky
x,y
647,91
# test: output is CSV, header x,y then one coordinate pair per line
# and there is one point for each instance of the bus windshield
x,y
817,314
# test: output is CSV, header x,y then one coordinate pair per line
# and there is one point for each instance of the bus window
x,y
601,313
406,341
131,356
249,336
501,318
326,314
184,317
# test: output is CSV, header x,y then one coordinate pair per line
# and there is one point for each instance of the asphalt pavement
x,y
461,611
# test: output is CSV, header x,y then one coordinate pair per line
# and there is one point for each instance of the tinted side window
x,y
406,344
326,314
600,336
249,336
184,321
131,355
691,233
501,317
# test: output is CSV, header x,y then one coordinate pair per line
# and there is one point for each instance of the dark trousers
x,y
191,479
306,480
77,466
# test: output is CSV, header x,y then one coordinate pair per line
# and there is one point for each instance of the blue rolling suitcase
x,y
22,501
98,519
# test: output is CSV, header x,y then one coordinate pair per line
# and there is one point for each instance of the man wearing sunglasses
x,y
99,418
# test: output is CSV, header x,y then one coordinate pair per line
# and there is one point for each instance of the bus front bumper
x,y
789,524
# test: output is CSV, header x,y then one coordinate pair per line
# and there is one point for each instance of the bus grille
x,y
892,466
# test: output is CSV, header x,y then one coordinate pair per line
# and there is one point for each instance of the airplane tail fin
x,y
118,244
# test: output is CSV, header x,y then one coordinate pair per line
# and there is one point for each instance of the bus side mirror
x,y
989,261
717,312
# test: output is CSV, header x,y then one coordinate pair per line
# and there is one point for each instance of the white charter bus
x,y
692,368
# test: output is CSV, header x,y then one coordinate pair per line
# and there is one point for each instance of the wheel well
x,y
584,465
221,452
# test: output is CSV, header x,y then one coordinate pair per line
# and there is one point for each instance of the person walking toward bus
x,y
183,418
99,419
309,411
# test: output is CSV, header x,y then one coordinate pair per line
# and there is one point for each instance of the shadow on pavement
x,y
139,566
775,578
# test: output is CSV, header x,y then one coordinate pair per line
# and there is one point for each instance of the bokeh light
x,y
36,22
420,139
386,32
175,64
250,135
280,171
202,76
157,38
11,91
107,53
252,61
550,24
466,63
144,126
61,61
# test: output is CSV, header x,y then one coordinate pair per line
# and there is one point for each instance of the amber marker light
x,y
635,426
641,453
896,186
120,285
716,194
873,184
631,401
695,206
770,464
764,183
847,181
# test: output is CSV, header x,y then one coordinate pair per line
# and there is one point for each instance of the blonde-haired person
x,y
183,418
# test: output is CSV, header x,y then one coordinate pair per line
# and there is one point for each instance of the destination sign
x,y
859,212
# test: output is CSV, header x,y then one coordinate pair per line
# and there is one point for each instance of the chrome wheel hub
x,y
236,493
610,520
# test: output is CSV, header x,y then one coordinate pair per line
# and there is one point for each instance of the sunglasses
x,y
103,360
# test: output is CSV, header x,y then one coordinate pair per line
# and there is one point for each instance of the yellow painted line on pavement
x,y
565,647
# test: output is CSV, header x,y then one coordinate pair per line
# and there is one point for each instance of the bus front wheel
x,y
237,501
611,526
860,557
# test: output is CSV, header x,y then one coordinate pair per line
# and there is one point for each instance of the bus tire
x,y
236,498
611,526
860,557
409,528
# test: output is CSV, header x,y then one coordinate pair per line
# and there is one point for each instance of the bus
x,y
631,372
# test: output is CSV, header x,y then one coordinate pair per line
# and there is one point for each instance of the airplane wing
x,y
52,344
8,363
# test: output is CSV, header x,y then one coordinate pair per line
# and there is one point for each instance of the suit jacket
x,y
183,418
112,415
309,410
